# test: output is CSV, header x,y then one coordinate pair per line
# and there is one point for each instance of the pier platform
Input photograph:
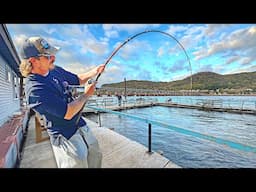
x,y
118,151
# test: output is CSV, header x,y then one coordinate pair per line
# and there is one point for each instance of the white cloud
x,y
58,42
192,36
50,31
246,60
173,29
19,39
112,74
219,68
187,41
83,38
180,77
232,59
200,54
212,29
78,68
134,49
111,33
160,51
188,36
242,69
104,39
74,30
95,47
29,29
128,27
66,55
241,42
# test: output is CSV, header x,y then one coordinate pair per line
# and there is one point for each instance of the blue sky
x,y
219,48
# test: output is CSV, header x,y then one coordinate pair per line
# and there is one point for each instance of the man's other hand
x,y
89,88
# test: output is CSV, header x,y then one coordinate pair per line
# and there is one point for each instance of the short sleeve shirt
x,y
50,96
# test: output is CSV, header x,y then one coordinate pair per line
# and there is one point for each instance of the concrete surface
x,y
118,151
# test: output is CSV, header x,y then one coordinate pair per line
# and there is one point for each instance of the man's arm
x,y
75,106
83,78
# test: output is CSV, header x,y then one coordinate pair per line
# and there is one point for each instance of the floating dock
x,y
209,108
172,104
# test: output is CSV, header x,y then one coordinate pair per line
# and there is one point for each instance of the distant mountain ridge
x,y
201,81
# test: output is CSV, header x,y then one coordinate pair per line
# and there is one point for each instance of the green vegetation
x,y
201,81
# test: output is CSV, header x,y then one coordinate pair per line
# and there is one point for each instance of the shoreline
x,y
181,95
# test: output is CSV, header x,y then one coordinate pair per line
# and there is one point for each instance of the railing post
x,y
99,120
149,138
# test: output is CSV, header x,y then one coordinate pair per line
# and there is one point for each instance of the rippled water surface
x,y
185,150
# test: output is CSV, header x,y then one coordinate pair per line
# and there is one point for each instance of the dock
x,y
123,107
118,151
36,155
209,108
121,152
206,106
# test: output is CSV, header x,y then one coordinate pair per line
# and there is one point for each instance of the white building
x,y
10,77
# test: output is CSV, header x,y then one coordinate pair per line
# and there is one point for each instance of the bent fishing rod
x,y
126,41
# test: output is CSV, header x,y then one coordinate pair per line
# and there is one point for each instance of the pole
x,y
99,119
125,88
149,138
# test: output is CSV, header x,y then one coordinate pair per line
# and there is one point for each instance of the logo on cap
x,y
44,44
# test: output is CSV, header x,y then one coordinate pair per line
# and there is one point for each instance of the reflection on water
x,y
188,151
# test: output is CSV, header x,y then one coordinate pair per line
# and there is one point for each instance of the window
x,y
8,74
15,87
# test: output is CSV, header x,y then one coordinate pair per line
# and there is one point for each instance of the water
x,y
188,151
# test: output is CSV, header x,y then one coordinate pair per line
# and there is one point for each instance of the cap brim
x,y
52,50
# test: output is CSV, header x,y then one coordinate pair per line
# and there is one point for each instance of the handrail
x,y
214,102
232,144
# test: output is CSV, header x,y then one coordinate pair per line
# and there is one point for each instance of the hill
x,y
201,81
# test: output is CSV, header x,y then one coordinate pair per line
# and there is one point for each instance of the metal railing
x,y
213,103
232,144
216,103
112,101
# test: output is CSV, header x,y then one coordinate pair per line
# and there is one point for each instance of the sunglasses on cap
x,y
45,55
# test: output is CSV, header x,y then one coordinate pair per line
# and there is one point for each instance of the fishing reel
x,y
91,81
70,91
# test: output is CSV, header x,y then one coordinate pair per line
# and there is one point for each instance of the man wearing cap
x,y
47,93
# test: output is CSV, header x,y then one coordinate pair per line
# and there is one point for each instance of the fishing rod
x,y
138,34
126,41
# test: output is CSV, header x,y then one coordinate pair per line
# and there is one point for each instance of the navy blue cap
x,y
36,46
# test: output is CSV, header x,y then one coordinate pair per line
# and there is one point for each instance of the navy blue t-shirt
x,y
51,95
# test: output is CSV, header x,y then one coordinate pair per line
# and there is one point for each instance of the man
x,y
47,92
119,97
